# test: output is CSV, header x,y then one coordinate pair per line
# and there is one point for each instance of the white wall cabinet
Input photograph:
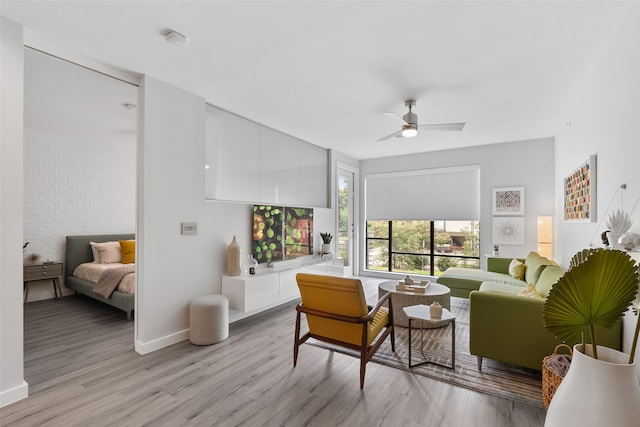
x,y
249,295
248,162
252,294
279,167
313,182
288,285
232,165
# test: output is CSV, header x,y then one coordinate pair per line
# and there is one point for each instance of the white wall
x,y
526,164
12,384
173,269
605,120
74,186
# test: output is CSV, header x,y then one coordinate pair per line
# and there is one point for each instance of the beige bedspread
x,y
110,279
92,271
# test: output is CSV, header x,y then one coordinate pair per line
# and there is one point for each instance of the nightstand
x,y
42,271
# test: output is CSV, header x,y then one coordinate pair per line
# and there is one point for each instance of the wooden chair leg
x,y
479,363
393,339
296,341
363,367
393,330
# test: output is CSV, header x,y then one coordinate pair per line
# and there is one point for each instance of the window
x,y
422,247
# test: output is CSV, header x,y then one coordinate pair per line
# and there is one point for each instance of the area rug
x,y
498,379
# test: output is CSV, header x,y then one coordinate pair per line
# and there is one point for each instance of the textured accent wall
x,y
71,187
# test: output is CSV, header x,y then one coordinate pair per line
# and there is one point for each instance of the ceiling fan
x,y
410,123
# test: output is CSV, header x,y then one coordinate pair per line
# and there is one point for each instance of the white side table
x,y
401,299
421,313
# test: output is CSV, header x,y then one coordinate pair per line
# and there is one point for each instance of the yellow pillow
x,y
516,269
128,248
529,291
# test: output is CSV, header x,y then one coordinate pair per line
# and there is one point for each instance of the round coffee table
x,y
401,299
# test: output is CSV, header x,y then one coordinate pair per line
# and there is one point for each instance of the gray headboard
x,y
78,249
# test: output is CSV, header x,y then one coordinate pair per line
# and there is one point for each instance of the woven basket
x,y
550,379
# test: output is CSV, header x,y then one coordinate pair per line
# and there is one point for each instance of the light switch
x,y
189,228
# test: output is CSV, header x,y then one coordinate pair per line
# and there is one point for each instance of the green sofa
x,y
462,281
508,327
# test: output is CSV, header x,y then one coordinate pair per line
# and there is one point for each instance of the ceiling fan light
x,y
409,132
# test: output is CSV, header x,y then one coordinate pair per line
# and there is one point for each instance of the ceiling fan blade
x,y
395,116
443,126
396,134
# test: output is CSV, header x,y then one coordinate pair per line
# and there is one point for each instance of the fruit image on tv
x,y
298,232
267,233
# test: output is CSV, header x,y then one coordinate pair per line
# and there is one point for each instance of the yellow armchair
x,y
337,313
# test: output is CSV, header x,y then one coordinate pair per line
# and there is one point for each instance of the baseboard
x,y
13,395
157,344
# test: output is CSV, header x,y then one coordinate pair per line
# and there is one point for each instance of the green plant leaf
x,y
581,256
597,290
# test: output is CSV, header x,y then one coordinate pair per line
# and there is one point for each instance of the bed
x,y
78,251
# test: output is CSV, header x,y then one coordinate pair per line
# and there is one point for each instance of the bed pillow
x,y
94,252
108,252
128,249
516,269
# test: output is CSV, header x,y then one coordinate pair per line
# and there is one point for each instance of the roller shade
x,y
426,194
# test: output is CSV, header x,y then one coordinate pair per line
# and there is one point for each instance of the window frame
x,y
431,254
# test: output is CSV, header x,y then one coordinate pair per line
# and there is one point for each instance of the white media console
x,y
271,286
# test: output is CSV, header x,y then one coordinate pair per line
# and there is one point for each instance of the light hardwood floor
x,y
82,371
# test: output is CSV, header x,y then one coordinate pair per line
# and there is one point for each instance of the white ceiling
x,y
66,99
323,71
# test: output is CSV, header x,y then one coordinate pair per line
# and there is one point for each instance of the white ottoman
x,y
208,319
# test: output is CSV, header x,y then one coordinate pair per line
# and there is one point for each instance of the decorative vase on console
x,y
250,265
233,258
618,224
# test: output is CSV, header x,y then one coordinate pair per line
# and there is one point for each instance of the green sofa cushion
x,y
534,264
500,265
547,279
459,283
505,288
475,276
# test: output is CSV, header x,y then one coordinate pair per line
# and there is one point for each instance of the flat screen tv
x,y
281,232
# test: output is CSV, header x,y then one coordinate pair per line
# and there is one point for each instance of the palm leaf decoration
x,y
597,290
580,257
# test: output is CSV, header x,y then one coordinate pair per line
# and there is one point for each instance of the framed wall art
x,y
580,192
508,231
508,201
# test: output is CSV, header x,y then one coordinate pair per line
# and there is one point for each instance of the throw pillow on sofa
x,y
549,277
529,291
516,269
534,264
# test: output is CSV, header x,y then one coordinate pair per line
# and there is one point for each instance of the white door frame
x,y
355,229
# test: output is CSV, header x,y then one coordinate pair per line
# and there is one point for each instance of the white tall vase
x,y
613,237
233,258
602,392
